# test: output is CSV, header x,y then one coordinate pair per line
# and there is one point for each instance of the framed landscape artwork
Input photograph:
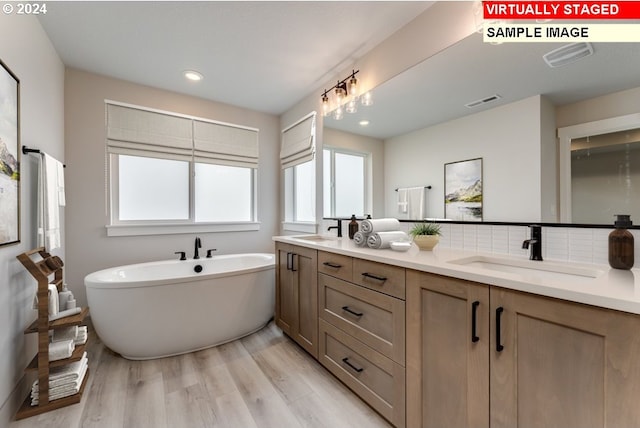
x,y
463,190
9,156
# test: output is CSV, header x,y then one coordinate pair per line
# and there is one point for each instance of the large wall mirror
x,y
497,103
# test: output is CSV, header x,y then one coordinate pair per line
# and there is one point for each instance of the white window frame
x,y
117,227
366,159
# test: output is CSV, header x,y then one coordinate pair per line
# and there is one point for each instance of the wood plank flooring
x,y
263,380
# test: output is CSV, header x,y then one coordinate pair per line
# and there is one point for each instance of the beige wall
x,y
607,106
26,50
88,247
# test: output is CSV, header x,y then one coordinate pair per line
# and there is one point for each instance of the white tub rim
x,y
91,280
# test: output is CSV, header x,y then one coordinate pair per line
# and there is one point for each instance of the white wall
x,y
507,138
88,247
27,51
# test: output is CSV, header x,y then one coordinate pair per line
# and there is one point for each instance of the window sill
x,y
172,229
305,227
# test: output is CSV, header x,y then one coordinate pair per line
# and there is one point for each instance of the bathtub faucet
x,y
198,244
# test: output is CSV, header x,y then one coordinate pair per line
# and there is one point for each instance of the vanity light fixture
x,y
346,96
193,75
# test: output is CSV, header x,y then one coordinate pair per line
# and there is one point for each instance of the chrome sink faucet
x,y
535,243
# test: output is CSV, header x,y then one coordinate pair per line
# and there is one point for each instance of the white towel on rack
x,y
61,350
50,186
415,202
379,225
63,391
67,333
63,375
402,200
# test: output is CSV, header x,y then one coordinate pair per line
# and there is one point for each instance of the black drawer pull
x,y
293,265
352,312
289,260
474,321
499,346
372,276
332,265
346,361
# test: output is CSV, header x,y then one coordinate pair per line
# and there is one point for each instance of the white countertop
x,y
612,288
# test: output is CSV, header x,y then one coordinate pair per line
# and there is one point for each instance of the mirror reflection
x,y
495,103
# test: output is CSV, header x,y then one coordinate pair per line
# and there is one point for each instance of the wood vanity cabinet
x,y
297,295
537,361
362,329
447,352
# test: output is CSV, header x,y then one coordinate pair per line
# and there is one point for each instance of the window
x,y
297,158
178,172
345,184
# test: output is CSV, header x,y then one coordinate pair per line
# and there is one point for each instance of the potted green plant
x,y
426,235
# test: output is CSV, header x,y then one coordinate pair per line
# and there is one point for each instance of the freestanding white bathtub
x,y
159,309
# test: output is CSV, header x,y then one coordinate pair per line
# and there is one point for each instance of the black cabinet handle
x,y
499,346
346,361
293,266
332,265
372,276
474,321
352,312
289,261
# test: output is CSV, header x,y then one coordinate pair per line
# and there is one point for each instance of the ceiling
x,y
437,89
264,56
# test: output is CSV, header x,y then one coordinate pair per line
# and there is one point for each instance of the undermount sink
x,y
530,268
316,238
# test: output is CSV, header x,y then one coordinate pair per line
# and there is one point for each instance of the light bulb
x,y
353,88
326,108
340,95
352,106
366,99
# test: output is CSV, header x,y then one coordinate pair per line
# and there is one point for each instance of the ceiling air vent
x,y
477,103
568,54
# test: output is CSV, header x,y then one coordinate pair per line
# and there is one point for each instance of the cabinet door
x,y
285,293
447,358
561,364
305,278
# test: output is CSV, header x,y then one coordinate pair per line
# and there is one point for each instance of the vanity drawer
x,y
335,265
375,378
379,277
374,318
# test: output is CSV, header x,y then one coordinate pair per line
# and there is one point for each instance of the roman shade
x,y
132,131
298,142
225,145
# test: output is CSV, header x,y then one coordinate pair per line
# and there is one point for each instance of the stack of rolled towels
x,y
63,341
64,381
379,233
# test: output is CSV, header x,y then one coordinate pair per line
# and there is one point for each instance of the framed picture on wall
x,y
463,190
9,156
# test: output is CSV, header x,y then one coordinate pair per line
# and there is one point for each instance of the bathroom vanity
x,y
452,338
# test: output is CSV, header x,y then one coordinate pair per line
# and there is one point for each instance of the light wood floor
x,y
263,380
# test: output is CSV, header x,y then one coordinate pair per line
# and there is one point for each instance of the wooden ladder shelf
x,y
48,269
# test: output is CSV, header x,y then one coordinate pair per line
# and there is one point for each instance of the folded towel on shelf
x,y
63,375
53,300
380,240
380,225
61,350
66,391
82,336
360,238
67,333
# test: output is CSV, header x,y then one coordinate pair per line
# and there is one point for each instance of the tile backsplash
x,y
580,245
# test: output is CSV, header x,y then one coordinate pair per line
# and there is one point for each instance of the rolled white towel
x,y
380,225
53,300
67,333
381,240
61,350
360,238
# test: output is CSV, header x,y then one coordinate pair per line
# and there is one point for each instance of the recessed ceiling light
x,y
363,122
193,75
